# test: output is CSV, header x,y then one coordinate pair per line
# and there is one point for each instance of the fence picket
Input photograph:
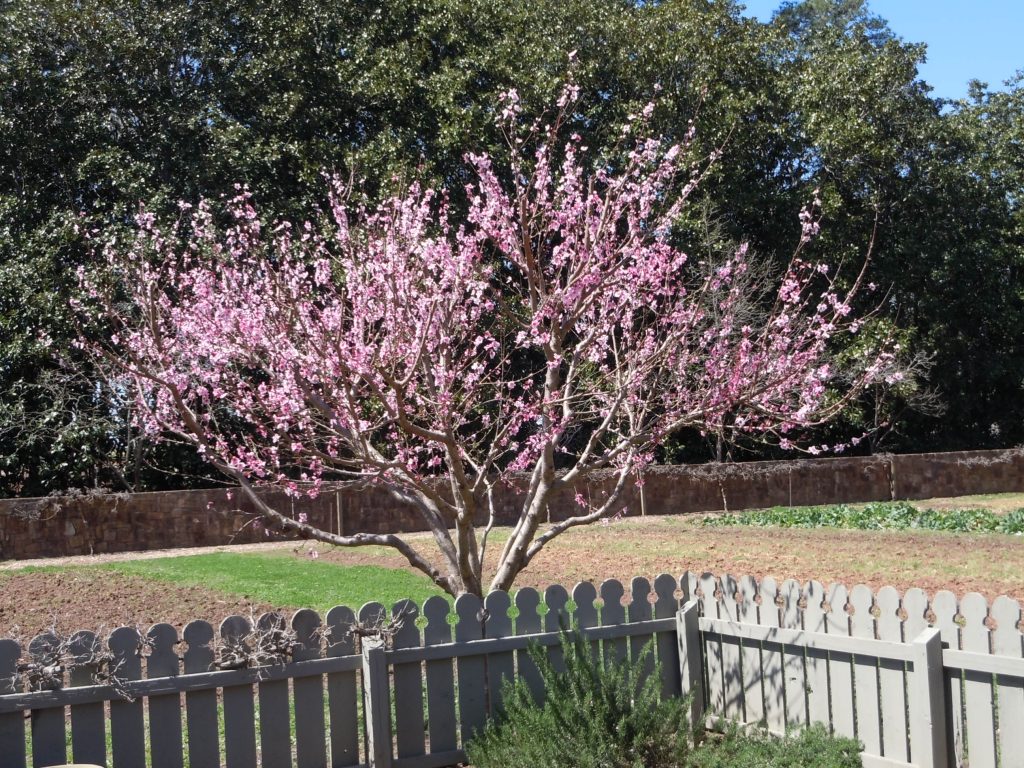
x,y
865,671
944,606
201,706
714,688
275,706
613,613
500,666
840,665
441,719
794,662
978,690
1007,640
915,605
775,714
750,654
308,693
528,622
667,604
817,660
88,722
891,678
48,746
408,684
342,691
164,711
732,666
584,595
640,609
556,619
239,708
127,722
472,671
12,724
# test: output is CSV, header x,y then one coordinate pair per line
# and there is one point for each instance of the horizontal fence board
x,y
781,636
200,681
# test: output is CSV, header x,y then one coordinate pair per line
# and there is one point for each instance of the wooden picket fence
x,y
919,680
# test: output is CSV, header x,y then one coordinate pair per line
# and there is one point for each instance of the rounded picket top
x,y
915,607
862,621
468,608
198,634
747,591
125,644
612,593
791,593
667,592
890,623
84,646
271,621
642,603
555,600
498,603
529,620
728,605
584,595
974,611
436,609
438,630
837,618
814,612
163,654
405,613
340,641
372,615
946,610
198,637
306,625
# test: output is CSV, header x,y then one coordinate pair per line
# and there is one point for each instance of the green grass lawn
x,y
284,580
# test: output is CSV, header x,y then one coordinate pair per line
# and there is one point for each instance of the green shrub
x,y
613,716
812,748
879,516
593,716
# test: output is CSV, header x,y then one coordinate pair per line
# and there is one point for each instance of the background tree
x,y
553,330
105,103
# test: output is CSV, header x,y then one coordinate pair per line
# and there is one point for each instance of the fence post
x,y
376,703
928,702
691,667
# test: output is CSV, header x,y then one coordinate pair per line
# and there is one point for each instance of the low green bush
x,y
880,516
811,748
593,716
613,716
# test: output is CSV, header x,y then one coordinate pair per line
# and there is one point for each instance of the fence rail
x,y
919,680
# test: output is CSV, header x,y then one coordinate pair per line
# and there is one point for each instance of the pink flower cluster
x,y
559,318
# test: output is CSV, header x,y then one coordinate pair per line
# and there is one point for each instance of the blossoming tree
x,y
555,330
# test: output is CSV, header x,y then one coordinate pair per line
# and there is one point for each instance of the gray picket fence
x,y
919,680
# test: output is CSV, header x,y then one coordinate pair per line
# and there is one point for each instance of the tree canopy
x,y
108,103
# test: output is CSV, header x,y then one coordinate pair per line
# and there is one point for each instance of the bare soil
x,y
989,564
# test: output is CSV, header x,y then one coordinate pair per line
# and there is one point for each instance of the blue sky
x,y
966,39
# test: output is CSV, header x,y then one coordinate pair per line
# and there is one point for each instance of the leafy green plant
x,y
811,748
612,715
880,516
593,716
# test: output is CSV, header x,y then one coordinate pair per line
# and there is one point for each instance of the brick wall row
x,y
31,528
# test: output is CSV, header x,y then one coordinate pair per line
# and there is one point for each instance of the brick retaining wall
x,y
31,528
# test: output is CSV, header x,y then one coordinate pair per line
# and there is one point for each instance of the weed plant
x,y
881,516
